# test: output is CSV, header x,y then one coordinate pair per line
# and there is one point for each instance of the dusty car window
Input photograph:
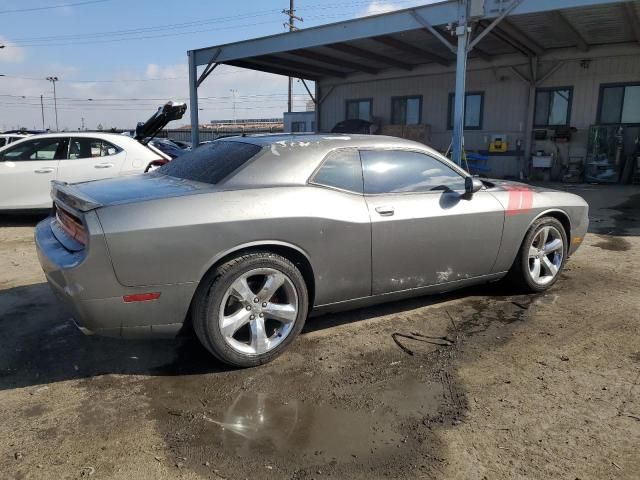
x,y
341,169
397,171
211,162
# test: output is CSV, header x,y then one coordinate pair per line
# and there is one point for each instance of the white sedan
x,y
28,166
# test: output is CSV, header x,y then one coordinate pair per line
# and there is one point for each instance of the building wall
x,y
505,99
308,118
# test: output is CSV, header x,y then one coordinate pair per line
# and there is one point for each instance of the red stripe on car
x,y
520,199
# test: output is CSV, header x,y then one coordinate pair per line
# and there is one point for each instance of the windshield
x,y
210,163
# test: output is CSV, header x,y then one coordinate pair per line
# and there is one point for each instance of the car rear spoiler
x,y
169,112
72,197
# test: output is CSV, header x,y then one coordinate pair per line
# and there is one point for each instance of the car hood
x,y
135,188
494,185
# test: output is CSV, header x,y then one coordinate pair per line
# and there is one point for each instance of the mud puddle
x,y
614,244
257,424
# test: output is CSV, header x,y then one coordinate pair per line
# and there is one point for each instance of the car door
x,y
26,171
425,230
90,159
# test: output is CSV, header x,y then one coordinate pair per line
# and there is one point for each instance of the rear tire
x,y
541,258
248,310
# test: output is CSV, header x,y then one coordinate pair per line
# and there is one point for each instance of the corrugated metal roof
x,y
398,41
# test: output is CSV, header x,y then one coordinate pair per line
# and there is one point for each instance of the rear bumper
x,y
86,284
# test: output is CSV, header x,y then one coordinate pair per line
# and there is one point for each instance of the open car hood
x,y
169,112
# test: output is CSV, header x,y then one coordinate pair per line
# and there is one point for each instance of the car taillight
x,y
72,225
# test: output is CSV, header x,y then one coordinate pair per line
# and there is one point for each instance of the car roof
x,y
292,158
76,134
328,141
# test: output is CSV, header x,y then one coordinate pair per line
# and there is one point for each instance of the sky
x,y
118,60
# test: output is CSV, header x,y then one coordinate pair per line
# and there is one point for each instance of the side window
x,y
473,110
37,149
90,148
107,149
359,109
341,169
398,171
553,106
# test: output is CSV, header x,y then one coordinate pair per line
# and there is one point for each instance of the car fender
x,y
252,245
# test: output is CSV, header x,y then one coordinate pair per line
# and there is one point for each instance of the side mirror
x,y
472,185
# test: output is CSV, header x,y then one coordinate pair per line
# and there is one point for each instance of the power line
x,y
126,35
147,29
51,7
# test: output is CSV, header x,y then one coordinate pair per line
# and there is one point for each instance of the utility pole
x,y
42,111
291,13
234,92
82,118
55,100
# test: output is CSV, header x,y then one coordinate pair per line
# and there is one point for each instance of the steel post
x,y
193,100
462,32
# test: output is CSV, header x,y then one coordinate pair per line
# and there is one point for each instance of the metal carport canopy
x,y
404,39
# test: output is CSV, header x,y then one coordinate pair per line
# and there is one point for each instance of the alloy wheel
x,y
546,253
258,311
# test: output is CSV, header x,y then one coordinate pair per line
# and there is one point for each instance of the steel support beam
x,y
531,104
479,51
516,34
369,55
564,25
632,17
494,23
407,47
433,31
211,66
298,66
318,106
308,90
193,99
252,65
329,60
462,32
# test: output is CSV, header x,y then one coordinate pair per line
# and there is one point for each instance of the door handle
x,y
103,165
43,170
386,210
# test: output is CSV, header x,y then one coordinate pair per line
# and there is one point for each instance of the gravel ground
x,y
476,384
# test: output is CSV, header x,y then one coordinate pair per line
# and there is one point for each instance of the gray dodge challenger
x,y
244,237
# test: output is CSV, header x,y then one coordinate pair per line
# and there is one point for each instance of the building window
x,y
553,106
298,127
406,110
359,109
619,104
473,110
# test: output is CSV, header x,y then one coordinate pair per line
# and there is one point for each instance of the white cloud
x,y
10,52
259,95
383,6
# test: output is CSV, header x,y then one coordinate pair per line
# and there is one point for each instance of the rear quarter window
x,y
210,163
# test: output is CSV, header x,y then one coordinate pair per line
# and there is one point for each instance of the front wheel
x,y
541,257
250,309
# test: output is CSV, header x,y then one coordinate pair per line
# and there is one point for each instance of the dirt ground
x,y
479,384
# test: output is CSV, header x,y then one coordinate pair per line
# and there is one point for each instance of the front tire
x,y
247,311
541,257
